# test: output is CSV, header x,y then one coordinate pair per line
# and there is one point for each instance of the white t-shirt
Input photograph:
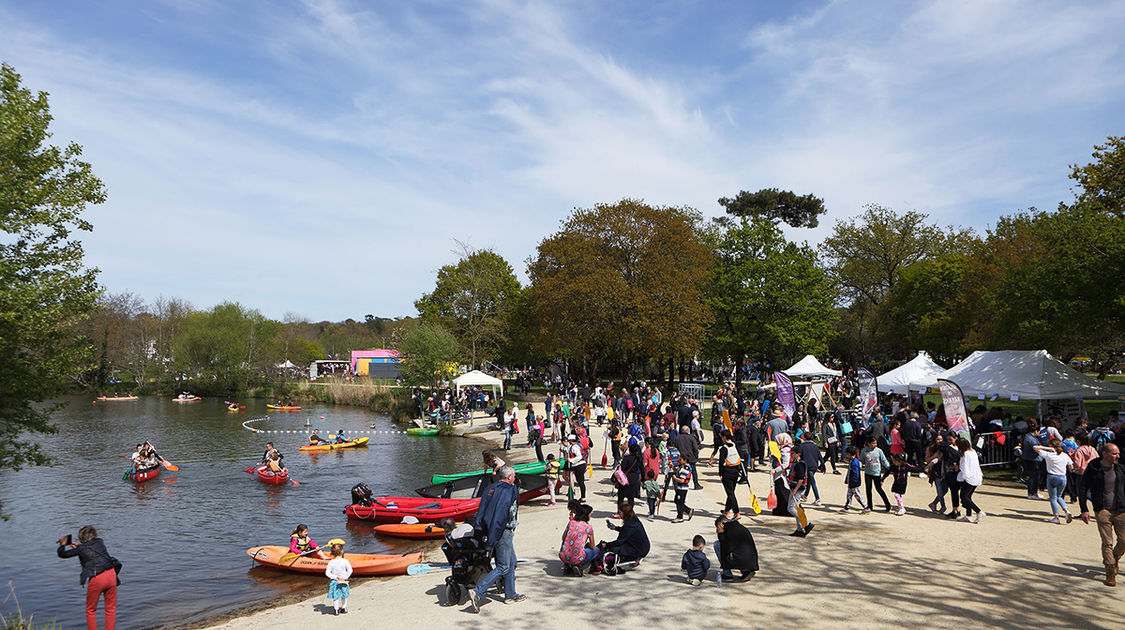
x,y
338,569
1056,462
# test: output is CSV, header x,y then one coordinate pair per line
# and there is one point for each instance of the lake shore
x,y
877,570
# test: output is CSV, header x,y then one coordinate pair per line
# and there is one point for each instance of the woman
x,y
936,472
578,548
99,569
652,457
492,463
632,541
736,550
615,442
1057,462
970,476
633,467
779,471
730,472
1082,458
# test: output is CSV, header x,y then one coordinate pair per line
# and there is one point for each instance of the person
x,y
300,543
832,443
913,436
576,462
681,482
730,472
874,462
688,445
853,481
652,493
1082,458
1104,480
797,478
315,438
338,571
135,458
633,466
694,562
496,525
814,461
453,531
1032,460
578,549
1057,463
99,574
736,550
270,450
614,437
900,469
340,439
510,425
970,476
631,545
274,464
551,472
936,470
492,463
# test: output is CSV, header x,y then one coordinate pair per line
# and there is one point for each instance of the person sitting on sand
x,y
632,542
736,550
578,547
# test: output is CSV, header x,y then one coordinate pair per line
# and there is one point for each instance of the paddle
x,y
605,459
301,555
170,466
753,497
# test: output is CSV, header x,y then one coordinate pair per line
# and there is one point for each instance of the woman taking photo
x,y
99,573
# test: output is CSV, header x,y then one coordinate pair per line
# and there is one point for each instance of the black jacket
x,y
632,541
736,548
93,556
1095,484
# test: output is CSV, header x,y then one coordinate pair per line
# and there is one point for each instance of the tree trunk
x,y
738,370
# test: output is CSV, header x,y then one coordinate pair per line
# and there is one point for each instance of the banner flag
x,y
868,391
956,417
785,395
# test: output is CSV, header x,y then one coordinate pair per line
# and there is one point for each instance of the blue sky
x,y
324,157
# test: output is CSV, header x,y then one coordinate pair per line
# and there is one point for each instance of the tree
x,y
769,298
1103,180
776,205
44,286
428,352
472,299
226,348
622,283
933,308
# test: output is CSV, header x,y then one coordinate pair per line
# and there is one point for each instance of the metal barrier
x,y
995,449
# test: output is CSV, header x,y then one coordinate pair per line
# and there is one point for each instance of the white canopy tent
x,y
476,377
809,366
287,365
1027,374
897,381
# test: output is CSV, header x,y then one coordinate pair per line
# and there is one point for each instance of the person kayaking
x,y
300,543
269,453
340,439
315,439
274,464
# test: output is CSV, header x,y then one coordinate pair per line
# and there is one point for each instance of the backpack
x,y
1100,437
674,455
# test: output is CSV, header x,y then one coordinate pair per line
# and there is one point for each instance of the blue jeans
x,y
939,486
1056,484
505,566
812,483
507,440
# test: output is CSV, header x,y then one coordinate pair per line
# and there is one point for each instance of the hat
x,y
775,412
572,437
336,541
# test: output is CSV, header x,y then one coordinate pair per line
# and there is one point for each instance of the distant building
x,y
382,363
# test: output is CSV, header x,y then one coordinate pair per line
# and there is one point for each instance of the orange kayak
x,y
280,557
410,530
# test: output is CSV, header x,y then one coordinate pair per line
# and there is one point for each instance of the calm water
x,y
182,537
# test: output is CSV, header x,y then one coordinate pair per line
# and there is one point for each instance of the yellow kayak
x,y
331,447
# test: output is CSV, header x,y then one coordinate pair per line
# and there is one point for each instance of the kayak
x,y
410,530
331,447
267,476
280,557
426,510
144,475
117,398
187,400
234,408
418,431
474,487
283,407
531,468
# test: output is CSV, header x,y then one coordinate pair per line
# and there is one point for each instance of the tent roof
x,y
1030,374
809,366
476,377
287,364
898,380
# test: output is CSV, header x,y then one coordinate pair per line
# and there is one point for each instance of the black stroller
x,y
469,561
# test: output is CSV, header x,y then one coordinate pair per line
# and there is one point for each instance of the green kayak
x,y
530,468
417,431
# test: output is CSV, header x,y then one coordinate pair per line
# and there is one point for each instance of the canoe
x,y
410,530
426,510
331,447
418,431
271,478
363,564
144,475
474,487
187,400
283,407
117,398
531,468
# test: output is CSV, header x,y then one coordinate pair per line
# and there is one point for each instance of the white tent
x,y
287,365
1028,374
476,377
809,366
897,381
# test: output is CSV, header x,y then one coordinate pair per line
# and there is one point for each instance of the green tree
x,y
1103,180
227,348
769,297
44,286
428,352
776,205
933,308
473,299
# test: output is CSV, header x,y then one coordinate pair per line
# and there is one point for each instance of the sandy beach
x,y
1013,570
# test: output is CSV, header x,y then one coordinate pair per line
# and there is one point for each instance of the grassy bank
x,y
393,401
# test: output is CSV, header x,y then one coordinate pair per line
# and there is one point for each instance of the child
x,y
652,493
853,480
901,472
681,482
695,562
338,571
552,474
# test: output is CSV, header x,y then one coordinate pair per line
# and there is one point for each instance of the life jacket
x,y
682,476
674,455
274,465
302,542
732,460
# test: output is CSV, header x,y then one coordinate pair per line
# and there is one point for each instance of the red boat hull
x,y
145,475
272,478
392,509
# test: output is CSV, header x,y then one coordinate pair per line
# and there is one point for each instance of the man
x,y
813,460
911,432
736,550
1105,481
688,446
269,451
496,525
777,424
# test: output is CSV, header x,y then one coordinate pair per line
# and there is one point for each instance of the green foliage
x,y
473,299
776,205
930,309
44,287
226,348
1103,180
769,298
429,353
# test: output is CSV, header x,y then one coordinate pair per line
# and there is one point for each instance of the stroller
x,y
469,560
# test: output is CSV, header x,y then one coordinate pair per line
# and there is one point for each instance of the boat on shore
x,y
363,564
432,510
530,468
474,487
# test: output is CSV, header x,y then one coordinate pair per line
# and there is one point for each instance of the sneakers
x,y
677,520
515,599
1069,518
690,513
1055,520
696,582
343,611
798,532
842,511
808,528
979,517
954,514
933,507
900,512
473,600
964,519
817,502
835,472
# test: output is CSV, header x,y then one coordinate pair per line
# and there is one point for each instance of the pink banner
x,y
956,418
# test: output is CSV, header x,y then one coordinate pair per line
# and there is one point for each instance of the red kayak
x,y
145,475
393,509
266,476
